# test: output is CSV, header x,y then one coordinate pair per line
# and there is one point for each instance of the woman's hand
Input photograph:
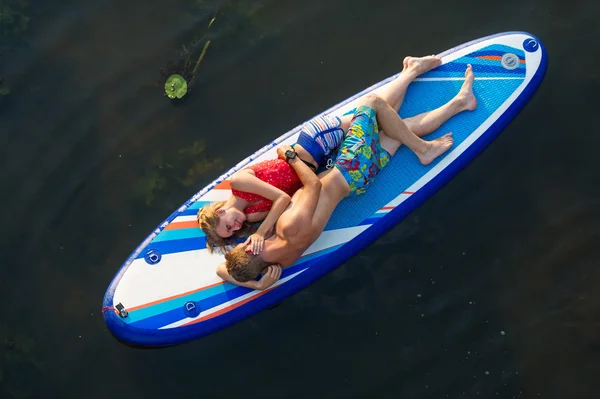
x,y
282,149
256,243
269,278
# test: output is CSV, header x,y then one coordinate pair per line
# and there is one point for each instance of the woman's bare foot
x,y
465,98
435,148
420,65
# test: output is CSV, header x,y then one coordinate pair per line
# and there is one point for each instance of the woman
x,y
263,191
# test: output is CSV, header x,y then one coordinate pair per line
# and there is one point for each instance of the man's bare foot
x,y
420,65
435,148
465,98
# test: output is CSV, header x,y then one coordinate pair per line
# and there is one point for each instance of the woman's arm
x,y
268,279
246,180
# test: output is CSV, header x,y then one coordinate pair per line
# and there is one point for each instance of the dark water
x,y
490,289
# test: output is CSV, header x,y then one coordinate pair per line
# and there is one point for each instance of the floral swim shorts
x,y
361,157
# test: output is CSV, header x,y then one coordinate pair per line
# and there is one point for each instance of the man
x,y
363,153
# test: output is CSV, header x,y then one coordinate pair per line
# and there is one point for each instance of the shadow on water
x,y
487,290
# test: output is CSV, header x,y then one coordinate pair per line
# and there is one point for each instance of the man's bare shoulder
x,y
293,223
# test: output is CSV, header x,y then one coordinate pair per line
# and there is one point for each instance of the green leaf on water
x,y
4,91
175,86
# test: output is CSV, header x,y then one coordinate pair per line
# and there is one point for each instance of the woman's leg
x,y
428,122
393,93
397,132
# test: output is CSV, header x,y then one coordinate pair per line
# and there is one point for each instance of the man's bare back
x,y
296,228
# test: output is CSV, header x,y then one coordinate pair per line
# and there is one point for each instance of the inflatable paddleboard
x,y
167,291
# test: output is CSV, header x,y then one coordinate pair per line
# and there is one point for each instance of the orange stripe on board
x,y
173,297
228,308
494,58
193,224
490,57
224,185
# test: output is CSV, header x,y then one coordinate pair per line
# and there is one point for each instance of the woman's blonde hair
x,y
208,220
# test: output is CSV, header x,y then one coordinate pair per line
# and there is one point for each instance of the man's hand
x,y
269,278
255,243
282,149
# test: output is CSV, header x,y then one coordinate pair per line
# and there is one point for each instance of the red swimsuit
x,y
277,173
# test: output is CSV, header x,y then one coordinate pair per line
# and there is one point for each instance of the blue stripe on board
x,y
179,245
189,212
461,75
199,204
179,234
177,314
192,210
168,312
148,312
169,247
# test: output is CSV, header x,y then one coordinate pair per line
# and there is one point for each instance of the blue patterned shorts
x,y
361,156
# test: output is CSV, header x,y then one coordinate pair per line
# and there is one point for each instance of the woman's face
x,y
230,221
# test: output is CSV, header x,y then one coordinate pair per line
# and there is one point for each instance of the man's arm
x,y
268,279
306,203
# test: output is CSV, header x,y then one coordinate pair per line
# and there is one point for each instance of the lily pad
x,y
175,86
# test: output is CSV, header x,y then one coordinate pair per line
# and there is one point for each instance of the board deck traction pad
x,y
167,291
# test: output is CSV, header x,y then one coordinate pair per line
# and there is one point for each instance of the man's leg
x,y
395,133
428,122
404,131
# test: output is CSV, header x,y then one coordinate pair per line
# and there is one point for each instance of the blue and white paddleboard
x,y
167,291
